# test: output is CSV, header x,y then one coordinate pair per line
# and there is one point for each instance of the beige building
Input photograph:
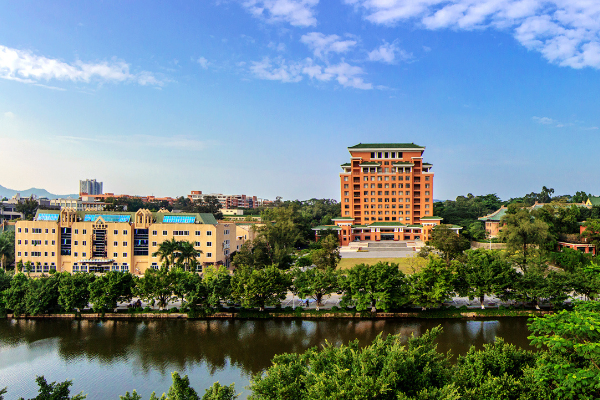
x,y
86,241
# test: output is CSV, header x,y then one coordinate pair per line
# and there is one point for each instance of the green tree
x,y
74,291
167,252
379,286
521,230
498,371
328,256
220,392
315,283
592,231
432,284
580,197
28,208
7,249
187,255
209,205
259,287
384,370
14,296
571,369
254,254
485,272
55,391
5,280
585,280
157,286
109,289
42,294
448,242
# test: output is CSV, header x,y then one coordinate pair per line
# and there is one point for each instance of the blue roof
x,y
47,217
179,219
107,217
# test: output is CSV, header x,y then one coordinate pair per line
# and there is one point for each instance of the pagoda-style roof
x,y
383,146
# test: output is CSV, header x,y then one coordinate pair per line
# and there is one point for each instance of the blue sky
x,y
263,97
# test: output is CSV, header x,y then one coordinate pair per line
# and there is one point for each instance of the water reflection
x,y
249,345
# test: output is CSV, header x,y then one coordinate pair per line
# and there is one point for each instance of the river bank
x,y
299,314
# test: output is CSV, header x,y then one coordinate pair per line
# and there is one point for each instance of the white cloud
x,y
277,70
387,53
280,47
281,70
544,120
295,12
348,76
9,115
565,32
203,62
321,44
24,66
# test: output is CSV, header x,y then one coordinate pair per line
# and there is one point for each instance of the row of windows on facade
x,y
386,193
386,154
75,254
116,232
384,200
381,178
84,243
380,206
386,186
383,219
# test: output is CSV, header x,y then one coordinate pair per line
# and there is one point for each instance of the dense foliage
x,y
476,274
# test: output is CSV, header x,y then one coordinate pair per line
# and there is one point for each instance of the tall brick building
x,y
386,194
386,182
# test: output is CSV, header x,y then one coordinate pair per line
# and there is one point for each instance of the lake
x,y
105,359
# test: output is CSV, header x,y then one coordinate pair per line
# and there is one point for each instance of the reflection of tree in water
x,y
250,345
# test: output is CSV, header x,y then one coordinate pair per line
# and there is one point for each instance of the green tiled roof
x,y
346,165
431,218
343,219
595,200
326,227
386,146
387,224
428,164
360,226
495,216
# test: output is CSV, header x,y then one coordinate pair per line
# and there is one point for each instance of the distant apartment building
x,y
90,186
96,241
387,194
228,201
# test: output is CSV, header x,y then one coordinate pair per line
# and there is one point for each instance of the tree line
x,y
465,211
476,274
564,367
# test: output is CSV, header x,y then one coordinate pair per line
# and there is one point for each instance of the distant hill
x,y
5,192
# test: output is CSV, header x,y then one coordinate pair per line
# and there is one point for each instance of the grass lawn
x,y
406,264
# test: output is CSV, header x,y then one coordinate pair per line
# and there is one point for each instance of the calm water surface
x,y
107,358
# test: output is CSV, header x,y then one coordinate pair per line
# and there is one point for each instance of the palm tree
x,y
187,255
167,251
